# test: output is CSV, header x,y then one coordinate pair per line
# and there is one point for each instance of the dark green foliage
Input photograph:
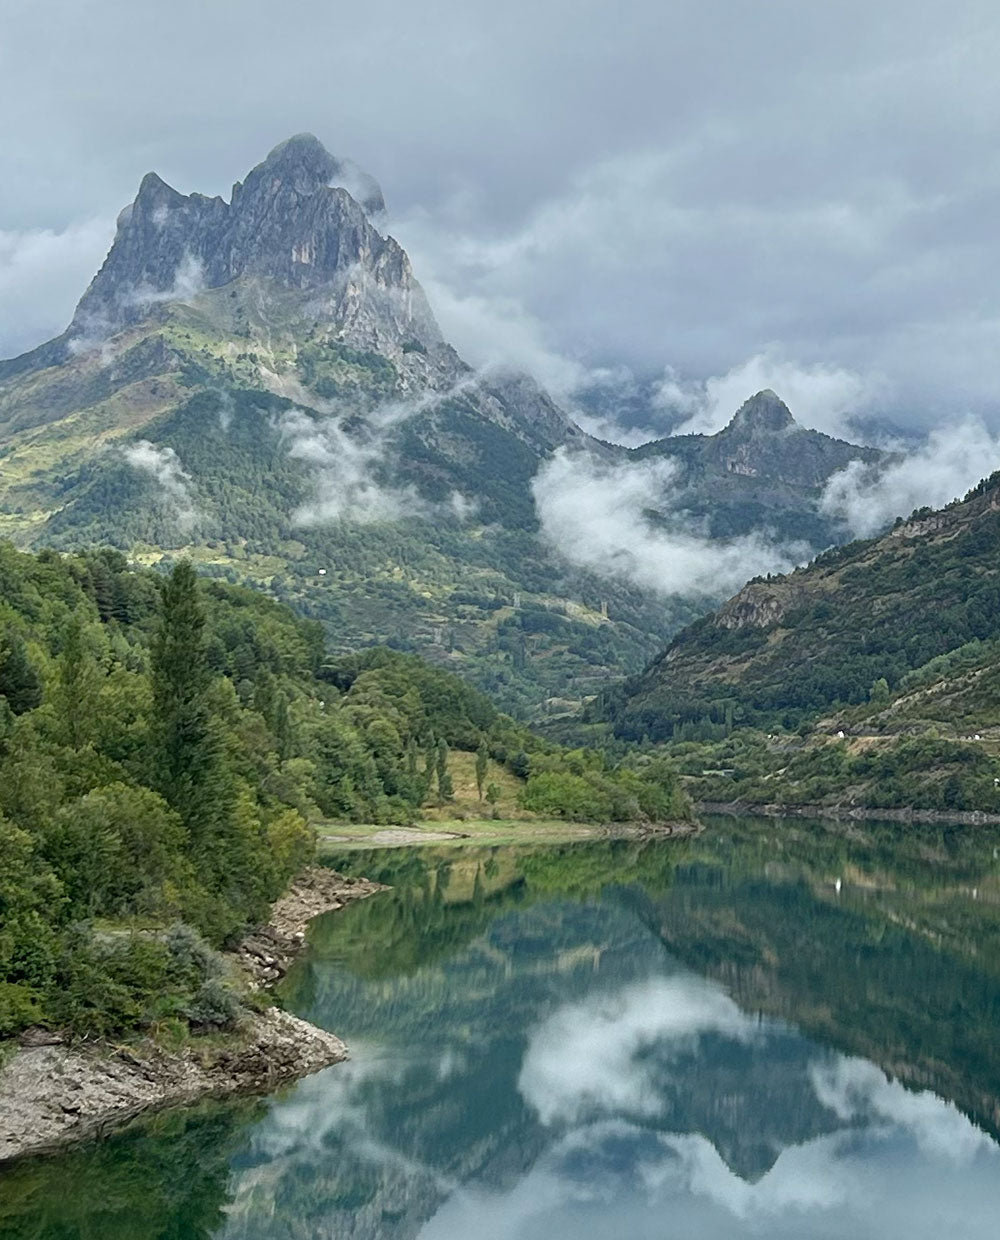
x,y
19,681
186,753
860,617
162,748
399,583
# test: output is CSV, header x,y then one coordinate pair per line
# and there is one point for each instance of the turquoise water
x,y
773,1030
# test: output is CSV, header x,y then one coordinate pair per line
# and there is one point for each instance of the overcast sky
x,y
793,190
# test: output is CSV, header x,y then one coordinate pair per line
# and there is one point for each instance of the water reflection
x,y
718,1043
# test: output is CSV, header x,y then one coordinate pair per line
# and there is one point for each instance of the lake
x,y
775,1029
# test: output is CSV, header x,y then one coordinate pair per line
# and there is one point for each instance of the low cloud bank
x,y
164,467
350,466
599,516
42,274
948,464
822,398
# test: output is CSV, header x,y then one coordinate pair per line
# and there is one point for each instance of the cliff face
x,y
261,382
292,222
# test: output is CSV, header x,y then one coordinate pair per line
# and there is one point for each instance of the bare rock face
x,y
758,605
764,441
51,1096
301,221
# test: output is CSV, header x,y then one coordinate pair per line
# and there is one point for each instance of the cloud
x,y
493,331
345,467
898,1164
350,458
947,465
42,274
856,1090
597,516
821,181
164,466
820,397
188,282
594,1056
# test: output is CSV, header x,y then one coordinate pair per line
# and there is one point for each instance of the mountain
x,y
873,673
762,471
261,384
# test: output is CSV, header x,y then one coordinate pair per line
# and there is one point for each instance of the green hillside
x,y
867,679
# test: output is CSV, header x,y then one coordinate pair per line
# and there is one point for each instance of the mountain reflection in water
x,y
709,1038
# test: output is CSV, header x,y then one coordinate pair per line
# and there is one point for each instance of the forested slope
x,y
165,744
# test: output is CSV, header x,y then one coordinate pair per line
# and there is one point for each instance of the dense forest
x,y
166,744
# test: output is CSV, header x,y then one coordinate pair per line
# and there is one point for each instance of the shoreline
x,y
485,832
54,1095
848,813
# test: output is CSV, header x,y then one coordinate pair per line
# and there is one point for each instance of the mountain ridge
x,y
262,385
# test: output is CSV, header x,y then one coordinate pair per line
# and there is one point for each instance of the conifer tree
x,y
188,752
445,788
79,685
20,683
482,766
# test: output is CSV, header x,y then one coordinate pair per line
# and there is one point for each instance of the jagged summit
x,y
304,164
301,220
765,411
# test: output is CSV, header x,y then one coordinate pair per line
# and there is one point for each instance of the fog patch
x,y
164,467
604,517
352,458
867,498
188,282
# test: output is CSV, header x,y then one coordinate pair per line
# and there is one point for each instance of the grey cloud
x,y
947,465
693,185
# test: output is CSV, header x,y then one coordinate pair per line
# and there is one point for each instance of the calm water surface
x,y
774,1030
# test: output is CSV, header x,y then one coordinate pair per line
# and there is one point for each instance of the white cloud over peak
x,y
596,515
944,467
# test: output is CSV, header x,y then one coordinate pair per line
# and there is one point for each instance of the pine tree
x,y
188,750
482,766
79,686
445,788
430,758
282,727
20,683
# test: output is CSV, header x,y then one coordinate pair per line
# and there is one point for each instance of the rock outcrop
x,y
294,223
52,1095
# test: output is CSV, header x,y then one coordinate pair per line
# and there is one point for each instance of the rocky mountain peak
x,y
303,164
765,411
301,221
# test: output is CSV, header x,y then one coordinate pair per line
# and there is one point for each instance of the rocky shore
x,y
850,813
52,1095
